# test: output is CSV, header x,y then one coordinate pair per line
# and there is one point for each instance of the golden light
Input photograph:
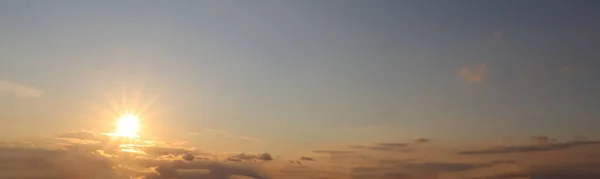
x,y
128,126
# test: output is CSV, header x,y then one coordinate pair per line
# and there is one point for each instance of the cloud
x,y
82,134
250,139
386,175
333,152
422,140
188,157
19,90
541,140
149,160
307,159
473,74
85,154
529,148
219,132
567,69
572,171
451,167
250,157
497,34
400,147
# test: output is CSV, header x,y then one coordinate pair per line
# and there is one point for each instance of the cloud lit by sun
x,y
128,126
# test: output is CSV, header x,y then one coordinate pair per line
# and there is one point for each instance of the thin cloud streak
x,y
19,90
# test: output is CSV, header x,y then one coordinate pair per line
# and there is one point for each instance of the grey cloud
x,y
497,34
401,147
250,157
529,148
422,140
333,151
188,157
307,159
392,144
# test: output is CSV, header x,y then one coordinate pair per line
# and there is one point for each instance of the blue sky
x,y
318,71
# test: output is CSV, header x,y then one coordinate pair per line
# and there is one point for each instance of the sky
x,y
299,78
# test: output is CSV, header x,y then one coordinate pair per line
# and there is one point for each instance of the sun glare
x,y
128,126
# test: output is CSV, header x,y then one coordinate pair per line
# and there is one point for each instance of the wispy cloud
x,y
400,147
422,140
530,148
474,74
250,139
19,90
307,159
497,34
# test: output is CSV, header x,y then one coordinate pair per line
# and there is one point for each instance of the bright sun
x,y
128,126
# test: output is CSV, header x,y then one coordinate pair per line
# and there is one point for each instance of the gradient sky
x,y
302,71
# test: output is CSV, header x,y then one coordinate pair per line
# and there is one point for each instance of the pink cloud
x,y
473,74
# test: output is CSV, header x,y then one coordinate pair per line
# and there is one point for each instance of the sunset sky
x,y
311,77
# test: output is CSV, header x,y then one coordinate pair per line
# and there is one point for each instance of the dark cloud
x,y
188,157
422,140
333,152
250,157
265,157
529,148
295,162
307,159
392,144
